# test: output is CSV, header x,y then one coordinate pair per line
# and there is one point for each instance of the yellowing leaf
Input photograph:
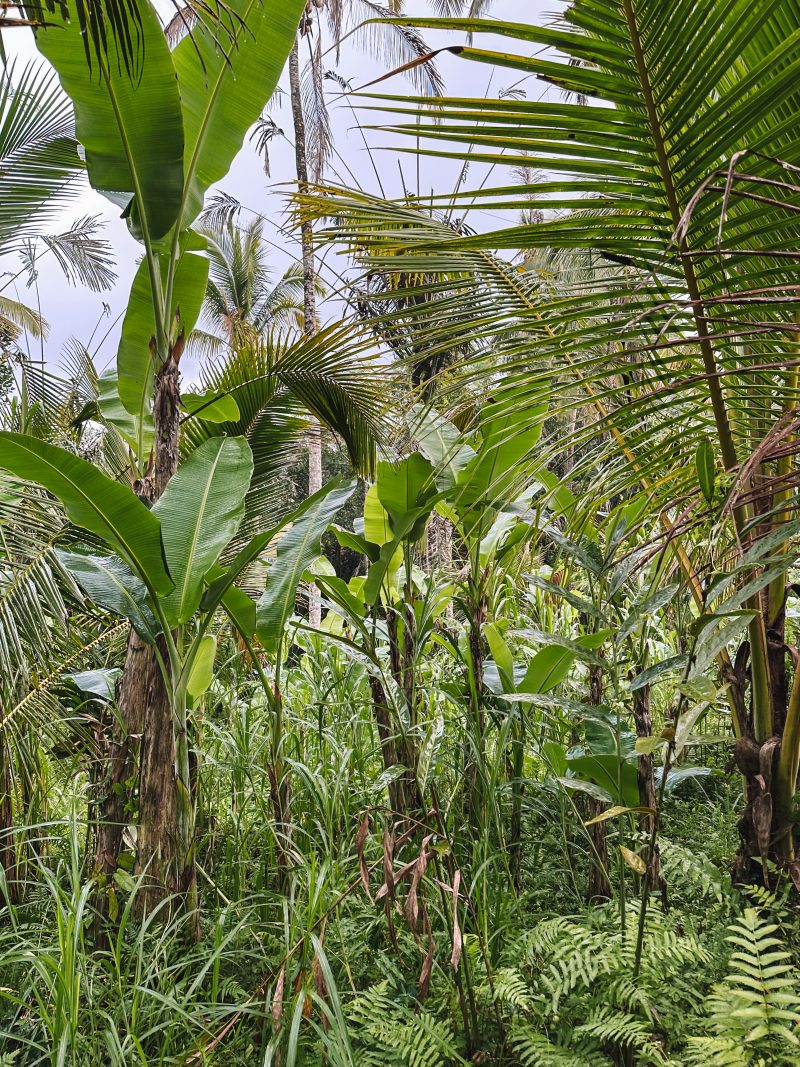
x,y
619,809
634,861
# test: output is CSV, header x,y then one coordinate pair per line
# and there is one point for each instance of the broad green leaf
x,y
547,669
705,467
200,511
201,672
391,553
355,542
296,549
113,586
501,654
226,76
555,758
114,413
127,116
93,501
715,638
347,602
678,775
100,683
509,433
211,407
221,592
591,789
551,665
658,671
405,486
377,529
440,441
221,589
616,777
136,362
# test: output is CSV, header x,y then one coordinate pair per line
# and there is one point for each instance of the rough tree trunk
x,y
119,746
646,780
314,435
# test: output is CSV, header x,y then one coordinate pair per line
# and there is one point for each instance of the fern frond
x,y
534,1049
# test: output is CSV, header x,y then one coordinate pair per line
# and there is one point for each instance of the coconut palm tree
x,y
241,302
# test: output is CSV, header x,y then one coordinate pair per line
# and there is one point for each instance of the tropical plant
x,y
681,351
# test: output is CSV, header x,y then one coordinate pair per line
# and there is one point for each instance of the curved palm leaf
x,y
40,168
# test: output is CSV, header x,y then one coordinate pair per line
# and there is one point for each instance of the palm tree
x,y
675,165
241,303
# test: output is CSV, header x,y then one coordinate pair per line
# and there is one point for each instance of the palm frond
x,y
39,163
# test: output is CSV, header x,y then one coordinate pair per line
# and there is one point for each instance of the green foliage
x,y
128,117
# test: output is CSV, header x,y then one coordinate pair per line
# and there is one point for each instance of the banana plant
x,y
158,127
157,131
161,570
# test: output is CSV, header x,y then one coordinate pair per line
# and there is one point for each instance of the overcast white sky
x,y
75,312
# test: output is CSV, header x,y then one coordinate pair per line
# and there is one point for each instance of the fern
x,y
534,1049
389,1034
622,1030
574,999
759,996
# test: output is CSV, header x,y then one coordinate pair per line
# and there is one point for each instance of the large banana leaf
x,y
127,113
509,432
298,548
226,74
136,362
93,501
112,585
405,486
200,511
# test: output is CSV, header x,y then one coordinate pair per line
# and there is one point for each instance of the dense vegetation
x,y
405,671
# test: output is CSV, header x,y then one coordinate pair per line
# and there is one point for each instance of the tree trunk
x,y
145,707
8,850
646,780
119,745
599,887
314,436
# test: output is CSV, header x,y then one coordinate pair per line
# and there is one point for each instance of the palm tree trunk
x,y
314,437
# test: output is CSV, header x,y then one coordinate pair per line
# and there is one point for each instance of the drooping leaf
x,y
200,511
127,115
297,548
113,586
99,683
93,501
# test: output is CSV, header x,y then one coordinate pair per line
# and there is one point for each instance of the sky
x,y
83,315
